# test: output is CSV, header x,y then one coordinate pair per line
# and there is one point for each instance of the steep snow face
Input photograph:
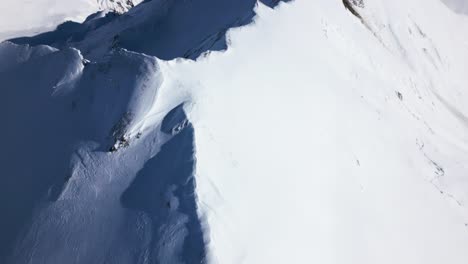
x,y
328,132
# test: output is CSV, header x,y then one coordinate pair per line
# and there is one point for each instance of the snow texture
x,y
221,131
459,6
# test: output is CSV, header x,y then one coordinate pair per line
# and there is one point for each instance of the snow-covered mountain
x,y
27,18
221,131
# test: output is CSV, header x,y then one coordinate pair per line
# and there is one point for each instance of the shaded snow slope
x,y
67,102
21,18
459,6
166,29
95,143
328,132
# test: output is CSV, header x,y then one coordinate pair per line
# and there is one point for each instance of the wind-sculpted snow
x,y
329,132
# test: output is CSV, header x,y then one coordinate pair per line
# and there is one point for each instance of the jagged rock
x,y
351,5
119,6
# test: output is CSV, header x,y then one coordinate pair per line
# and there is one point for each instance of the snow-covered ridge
x,y
328,132
102,123
28,18
171,29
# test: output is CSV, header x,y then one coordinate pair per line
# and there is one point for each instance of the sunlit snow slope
x,y
324,139
316,132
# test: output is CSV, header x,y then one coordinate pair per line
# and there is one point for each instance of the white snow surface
x,y
319,137
306,154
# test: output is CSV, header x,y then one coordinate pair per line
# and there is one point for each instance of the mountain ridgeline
x,y
238,131
95,84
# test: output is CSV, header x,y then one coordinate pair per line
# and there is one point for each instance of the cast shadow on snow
x,y
44,132
42,138
165,190
38,148
185,29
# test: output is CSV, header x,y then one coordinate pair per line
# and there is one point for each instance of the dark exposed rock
x,y
352,6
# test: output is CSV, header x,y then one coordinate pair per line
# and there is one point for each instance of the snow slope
x,y
170,29
95,139
332,142
459,6
320,135
26,18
